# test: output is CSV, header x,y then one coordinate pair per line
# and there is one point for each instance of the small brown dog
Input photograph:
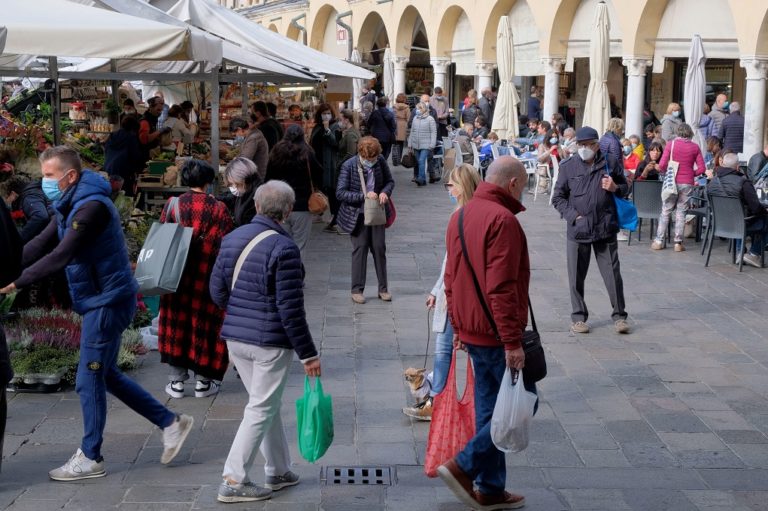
x,y
419,383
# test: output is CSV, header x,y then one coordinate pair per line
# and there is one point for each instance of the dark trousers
x,y
363,239
333,203
607,257
386,149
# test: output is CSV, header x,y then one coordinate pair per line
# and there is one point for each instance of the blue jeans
x,y
421,157
480,459
443,354
97,373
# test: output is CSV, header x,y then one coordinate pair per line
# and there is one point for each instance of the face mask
x,y
234,191
368,164
453,199
676,113
327,117
726,105
634,145
239,139
586,153
51,188
627,150
553,140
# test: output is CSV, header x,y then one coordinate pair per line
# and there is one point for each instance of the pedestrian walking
x,y
402,115
189,332
497,252
583,195
250,257
242,178
382,126
89,242
324,140
422,140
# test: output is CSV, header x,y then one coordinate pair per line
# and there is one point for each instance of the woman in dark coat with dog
x,y
378,185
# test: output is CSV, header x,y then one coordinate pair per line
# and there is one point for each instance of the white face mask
x,y
234,191
586,153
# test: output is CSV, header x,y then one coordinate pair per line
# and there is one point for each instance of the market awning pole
x,y
215,96
115,90
53,67
244,92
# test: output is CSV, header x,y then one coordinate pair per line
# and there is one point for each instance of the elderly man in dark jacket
x,y
382,126
732,129
10,268
258,278
729,182
584,196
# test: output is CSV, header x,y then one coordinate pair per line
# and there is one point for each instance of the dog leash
x,y
429,335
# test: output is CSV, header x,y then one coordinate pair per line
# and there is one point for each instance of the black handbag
x,y
535,361
408,159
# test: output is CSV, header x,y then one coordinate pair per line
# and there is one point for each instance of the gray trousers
x,y
607,257
299,225
365,239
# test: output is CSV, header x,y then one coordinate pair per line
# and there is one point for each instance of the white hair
x,y
274,199
731,160
734,107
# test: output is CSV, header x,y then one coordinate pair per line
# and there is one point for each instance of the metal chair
x,y
646,196
728,221
553,180
494,151
475,155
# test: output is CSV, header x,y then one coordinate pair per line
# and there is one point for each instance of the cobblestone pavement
x,y
671,417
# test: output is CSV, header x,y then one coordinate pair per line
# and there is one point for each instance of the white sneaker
x,y
205,388
78,467
175,389
622,236
752,260
174,436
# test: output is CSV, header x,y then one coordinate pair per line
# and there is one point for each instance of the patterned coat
x,y
190,323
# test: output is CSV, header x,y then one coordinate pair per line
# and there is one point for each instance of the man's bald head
x,y
509,173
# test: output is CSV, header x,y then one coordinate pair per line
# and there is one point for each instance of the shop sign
x,y
342,36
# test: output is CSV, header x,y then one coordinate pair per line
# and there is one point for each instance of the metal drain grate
x,y
358,475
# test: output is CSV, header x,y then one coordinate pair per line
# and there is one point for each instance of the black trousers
x,y
364,239
333,203
607,257
5,365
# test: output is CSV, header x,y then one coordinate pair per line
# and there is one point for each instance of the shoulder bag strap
x,y
246,252
362,180
309,173
173,209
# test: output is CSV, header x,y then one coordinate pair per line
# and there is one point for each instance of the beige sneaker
x,y
679,247
657,245
358,298
580,327
752,260
385,297
622,327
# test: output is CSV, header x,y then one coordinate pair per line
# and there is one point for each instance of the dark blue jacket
x,y
100,274
266,308
382,125
611,145
732,132
349,192
35,206
579,192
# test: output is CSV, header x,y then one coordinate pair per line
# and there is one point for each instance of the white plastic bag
x,y
512,414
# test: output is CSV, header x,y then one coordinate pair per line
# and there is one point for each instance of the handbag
x,y
397,154
391,213
164,254
453,420
535,360
669,187
408,160
626,212
318,201
373,211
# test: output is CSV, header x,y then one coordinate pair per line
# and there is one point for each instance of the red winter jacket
x,y
498,250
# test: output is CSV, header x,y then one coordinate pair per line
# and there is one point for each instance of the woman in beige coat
x,y
402,114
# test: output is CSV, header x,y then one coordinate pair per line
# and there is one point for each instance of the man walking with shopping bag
x,y
495,249
90,245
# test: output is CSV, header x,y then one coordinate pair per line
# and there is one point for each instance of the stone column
x,y
440,70
484,75
553,66
636,71
754,105
400,64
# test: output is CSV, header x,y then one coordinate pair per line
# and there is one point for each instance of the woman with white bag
x,y
683,158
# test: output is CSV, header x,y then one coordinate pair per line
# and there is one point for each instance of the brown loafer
x,y
504,500
386,297
458,482
358,298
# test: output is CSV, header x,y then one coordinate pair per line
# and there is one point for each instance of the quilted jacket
x,y
266,307
350,192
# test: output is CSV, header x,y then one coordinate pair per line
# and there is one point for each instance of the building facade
x,y
452,43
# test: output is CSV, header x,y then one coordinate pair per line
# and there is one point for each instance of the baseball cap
x,y
586,133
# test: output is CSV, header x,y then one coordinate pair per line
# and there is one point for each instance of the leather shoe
x,y
504,500
386,297
458,482
358,298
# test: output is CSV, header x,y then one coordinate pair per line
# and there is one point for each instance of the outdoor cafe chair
x,y
646,196
728,221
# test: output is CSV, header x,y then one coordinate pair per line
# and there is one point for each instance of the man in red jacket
x,y
497,251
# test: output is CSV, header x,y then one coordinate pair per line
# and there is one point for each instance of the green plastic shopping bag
x,y
314,418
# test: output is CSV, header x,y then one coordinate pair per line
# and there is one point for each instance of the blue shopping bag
x,y
626,212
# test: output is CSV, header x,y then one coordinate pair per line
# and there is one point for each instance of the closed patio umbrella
x,y
357,83
597,108
505,114
694,93
389,75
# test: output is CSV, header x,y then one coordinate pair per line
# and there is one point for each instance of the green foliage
x,y
41,359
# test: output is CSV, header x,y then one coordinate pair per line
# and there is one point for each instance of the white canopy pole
x,y
215,95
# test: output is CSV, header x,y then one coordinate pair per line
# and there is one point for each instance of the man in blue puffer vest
x,y
91,249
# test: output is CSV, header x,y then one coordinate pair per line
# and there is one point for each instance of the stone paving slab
x,y
671,417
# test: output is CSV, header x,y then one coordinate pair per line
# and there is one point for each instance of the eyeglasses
x,y
448,186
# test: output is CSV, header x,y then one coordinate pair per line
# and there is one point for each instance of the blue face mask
x,y
726,105
553,140
239,139
452,198
627,150
676,113
368,164
51,188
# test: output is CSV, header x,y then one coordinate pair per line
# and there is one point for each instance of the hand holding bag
x,y
373,211
512,413
164,254
318,201
314,421
453,420
669,186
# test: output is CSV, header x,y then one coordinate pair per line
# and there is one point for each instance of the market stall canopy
x,y
3,34
64,29
226,23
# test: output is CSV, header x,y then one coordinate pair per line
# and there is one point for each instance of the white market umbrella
x,y
3,34
597,108
505,114
694,94
357,83
389,75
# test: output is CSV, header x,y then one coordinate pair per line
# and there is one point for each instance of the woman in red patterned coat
x,y
190,323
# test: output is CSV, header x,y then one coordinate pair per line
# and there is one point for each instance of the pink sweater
x,y
686,153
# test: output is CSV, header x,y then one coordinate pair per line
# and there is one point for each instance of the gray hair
x,y
734,107
274,199
67,157
685,131
240,170
569,131
730,160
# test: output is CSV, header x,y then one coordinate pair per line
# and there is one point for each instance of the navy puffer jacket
x,y
350,192
266,307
